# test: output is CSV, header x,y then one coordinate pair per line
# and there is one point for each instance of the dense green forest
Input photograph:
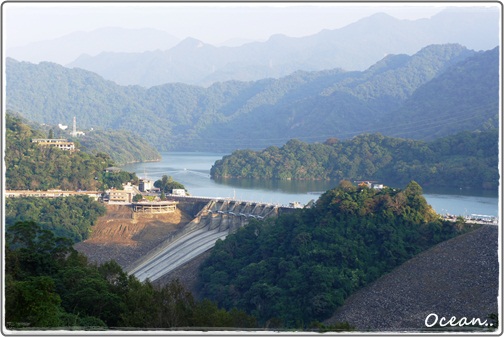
x,y
71,217
300,267
122,146
463,95
467,159
50,285
440,90
29,166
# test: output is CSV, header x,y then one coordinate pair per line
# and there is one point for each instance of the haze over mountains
x,y
126,58
409,83
440,90
67,48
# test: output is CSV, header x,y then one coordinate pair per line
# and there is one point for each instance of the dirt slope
x,y
458,277
124,237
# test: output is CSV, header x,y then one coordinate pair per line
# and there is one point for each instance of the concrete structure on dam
x,y
154,207
217,219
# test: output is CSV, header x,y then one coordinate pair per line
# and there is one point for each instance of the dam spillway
x,y
217,219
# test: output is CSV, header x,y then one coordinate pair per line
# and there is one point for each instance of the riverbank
x,y
192,170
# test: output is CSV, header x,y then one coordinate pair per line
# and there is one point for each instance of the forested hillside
x,y
441,105
122,146
298,268
49,285
32,167
311,106
72,217
467,159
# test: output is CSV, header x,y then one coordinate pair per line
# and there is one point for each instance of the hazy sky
x,y
212,23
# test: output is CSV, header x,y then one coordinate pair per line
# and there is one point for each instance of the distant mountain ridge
x,y
68,48
430,89
353,47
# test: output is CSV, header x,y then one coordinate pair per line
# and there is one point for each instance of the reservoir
x,y
192,169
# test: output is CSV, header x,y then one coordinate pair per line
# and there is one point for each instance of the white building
x,y
145,185
62,144
120,196
179,192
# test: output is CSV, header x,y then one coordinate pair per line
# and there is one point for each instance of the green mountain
x,y
300,267
467,159
122,146
310,106
460,98
33,167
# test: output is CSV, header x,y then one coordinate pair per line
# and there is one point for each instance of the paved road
x,y
179,252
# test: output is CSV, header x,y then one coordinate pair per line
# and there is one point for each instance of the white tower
x,y
74,130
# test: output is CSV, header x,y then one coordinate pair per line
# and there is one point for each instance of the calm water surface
x,y
193,170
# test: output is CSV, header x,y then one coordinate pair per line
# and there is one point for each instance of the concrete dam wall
x,y
217,219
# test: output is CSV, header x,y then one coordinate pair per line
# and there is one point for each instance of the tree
x,y
39,251
139,308
300,267
71,217
33,301
443,162
49,284
30,166
166,184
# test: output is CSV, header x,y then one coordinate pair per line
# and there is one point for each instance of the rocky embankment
x,y
458,277
123,237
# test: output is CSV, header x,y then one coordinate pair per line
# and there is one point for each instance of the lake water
x,y
192,169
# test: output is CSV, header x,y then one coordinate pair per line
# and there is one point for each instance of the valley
x,y
327,172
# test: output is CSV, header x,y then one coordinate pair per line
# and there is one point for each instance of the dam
x,y
216,219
